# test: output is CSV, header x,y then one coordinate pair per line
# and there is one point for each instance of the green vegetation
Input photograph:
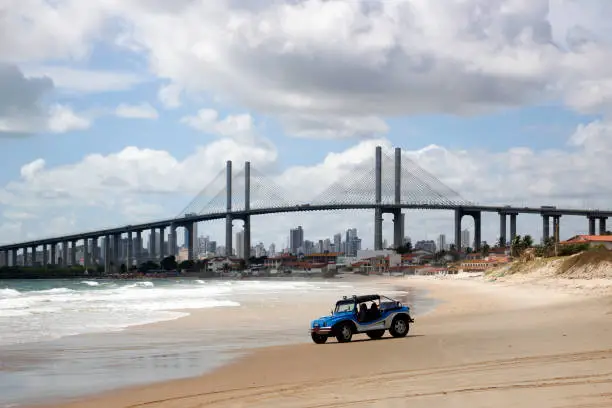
x,y
49,272
404,249
520,244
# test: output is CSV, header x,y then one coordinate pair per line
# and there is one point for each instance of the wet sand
x,y
486,345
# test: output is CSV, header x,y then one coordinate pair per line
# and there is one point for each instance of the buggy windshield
x,y
345,307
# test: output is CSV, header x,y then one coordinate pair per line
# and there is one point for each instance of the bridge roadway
x,y
242,214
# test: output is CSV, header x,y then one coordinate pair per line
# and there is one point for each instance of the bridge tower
x,y
228,217
378,218
247,207
398,217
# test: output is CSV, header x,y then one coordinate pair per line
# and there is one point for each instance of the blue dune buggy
x,y
370,314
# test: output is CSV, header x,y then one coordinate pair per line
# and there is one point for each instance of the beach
x,y
500,344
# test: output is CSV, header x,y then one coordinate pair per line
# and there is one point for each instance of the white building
x,y
240,244
442,243
465,239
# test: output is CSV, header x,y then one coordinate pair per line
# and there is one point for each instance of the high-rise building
x,y
465,239
260,250
353,242
308,248
272,250
338,243
296,240
442,242
240,244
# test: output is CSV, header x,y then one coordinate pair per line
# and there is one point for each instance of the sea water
x,y
65,338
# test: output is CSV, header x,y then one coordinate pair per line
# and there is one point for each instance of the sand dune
x,y
486,345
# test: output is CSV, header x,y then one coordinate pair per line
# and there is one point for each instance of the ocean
x,y
65,338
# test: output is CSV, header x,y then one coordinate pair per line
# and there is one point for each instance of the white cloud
x,y
239,127
357,59
85,80
63,119
22,111
334,126
16,215
349,59
170,96
141,111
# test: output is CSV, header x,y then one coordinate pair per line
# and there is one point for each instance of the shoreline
x,y
192,344
468,306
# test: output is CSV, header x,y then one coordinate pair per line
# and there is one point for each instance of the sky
x,y
116,112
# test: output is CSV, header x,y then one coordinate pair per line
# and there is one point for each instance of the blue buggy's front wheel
x,y
318,338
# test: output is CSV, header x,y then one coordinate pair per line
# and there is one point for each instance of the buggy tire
x,y
344,333
375,334
318,338
400,326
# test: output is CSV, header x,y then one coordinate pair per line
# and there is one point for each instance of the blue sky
x,y
494,108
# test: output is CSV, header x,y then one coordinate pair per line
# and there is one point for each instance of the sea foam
x,y
32,311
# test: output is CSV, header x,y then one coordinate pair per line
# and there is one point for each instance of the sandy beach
x,y
489,344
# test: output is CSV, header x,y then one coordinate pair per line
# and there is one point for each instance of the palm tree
x,y
527,242
485,249
515,246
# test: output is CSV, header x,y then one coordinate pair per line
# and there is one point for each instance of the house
x,y
592,240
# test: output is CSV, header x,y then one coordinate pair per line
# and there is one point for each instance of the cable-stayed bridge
x,y
388,184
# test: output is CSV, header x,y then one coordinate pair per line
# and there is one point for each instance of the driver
x,y
374,312
363,310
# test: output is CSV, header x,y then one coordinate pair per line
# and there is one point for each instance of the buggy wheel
x,y
344,333
399,326
375,334
318,338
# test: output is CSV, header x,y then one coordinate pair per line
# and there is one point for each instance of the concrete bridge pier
x,y
172,240
476,215
138,251
602,225
53,259
502,229
115,253
398,228
86,262
45,255
152,245
33,256
190,243
129,258
14,257
513,225
64,262
591,225
545,228
106,253
162,243
5,258
73,253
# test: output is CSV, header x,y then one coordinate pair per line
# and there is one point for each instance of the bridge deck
x,y
302,208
